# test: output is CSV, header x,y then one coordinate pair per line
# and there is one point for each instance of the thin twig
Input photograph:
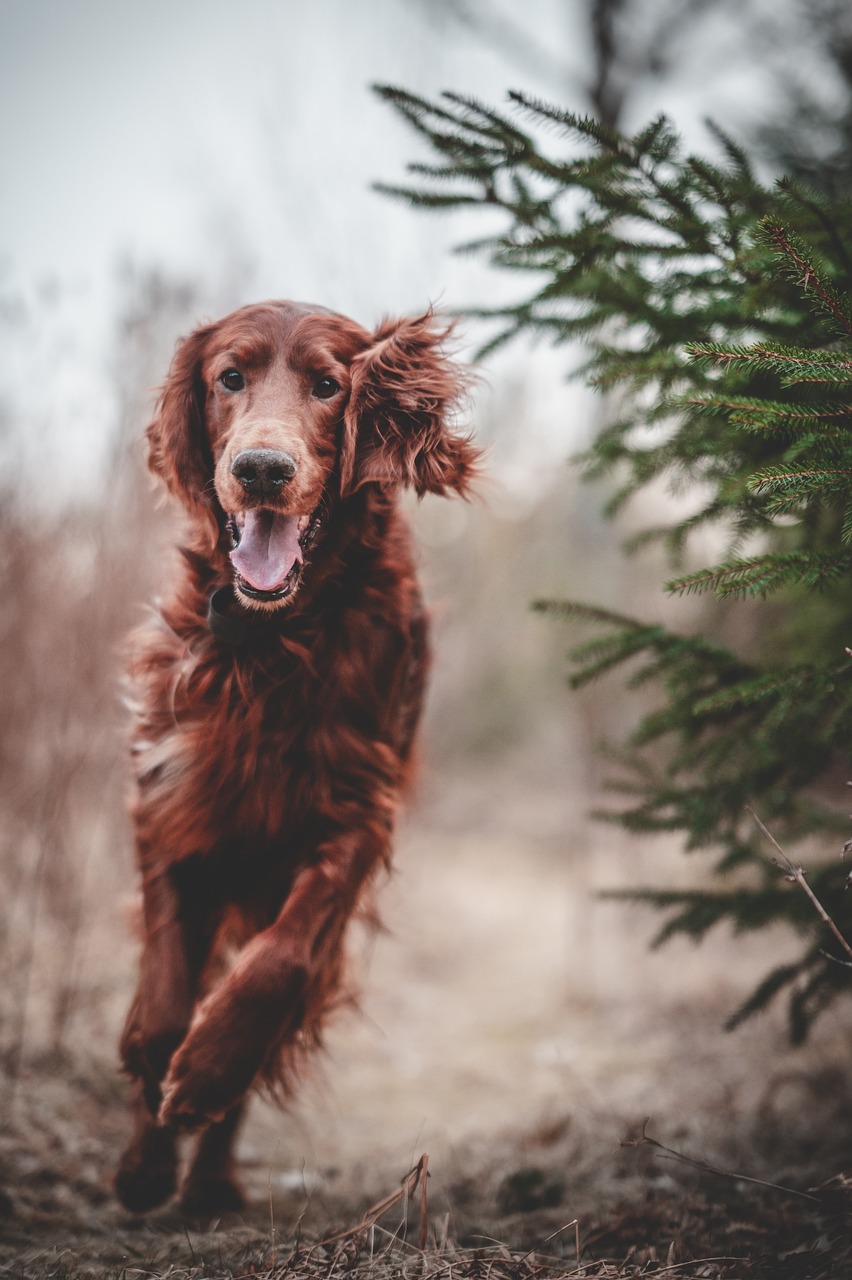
x,y
272,1244
575,1223
189,1242
414,1179
694,1262
796,874
671,1154
424,1208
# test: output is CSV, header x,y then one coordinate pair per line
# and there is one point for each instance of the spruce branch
x,y
792,364
821,210
717,311
806,274
759,575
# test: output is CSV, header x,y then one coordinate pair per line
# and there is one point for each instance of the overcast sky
x,y
217,140
239,140
172,128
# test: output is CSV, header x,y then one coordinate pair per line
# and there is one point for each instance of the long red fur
x,y
268,774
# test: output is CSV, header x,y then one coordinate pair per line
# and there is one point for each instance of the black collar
x,y
229,623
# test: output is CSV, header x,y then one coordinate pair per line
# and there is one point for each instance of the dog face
x,y
278,411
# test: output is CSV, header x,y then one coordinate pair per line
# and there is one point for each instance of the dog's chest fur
x,y
262,747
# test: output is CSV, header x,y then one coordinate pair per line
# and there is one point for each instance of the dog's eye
x,y
325,388
233,380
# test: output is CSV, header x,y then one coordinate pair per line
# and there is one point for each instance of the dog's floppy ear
x,y
397,426
178,448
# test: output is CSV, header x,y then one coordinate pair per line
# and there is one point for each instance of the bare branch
x,y
704,1167
796,874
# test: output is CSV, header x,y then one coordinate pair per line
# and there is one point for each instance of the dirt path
x,y
508,999
512,1025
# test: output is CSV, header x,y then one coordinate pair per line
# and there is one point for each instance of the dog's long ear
x,y
397,426
178,448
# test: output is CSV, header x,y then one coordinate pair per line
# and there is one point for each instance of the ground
x,y
514,1028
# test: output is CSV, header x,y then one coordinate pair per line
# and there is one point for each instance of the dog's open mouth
x,y
268,551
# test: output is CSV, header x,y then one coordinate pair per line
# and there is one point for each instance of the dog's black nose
x,y
263,472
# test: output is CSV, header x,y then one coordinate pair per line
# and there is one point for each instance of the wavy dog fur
x,y
269,760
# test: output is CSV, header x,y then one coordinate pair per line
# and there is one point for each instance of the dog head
x,y
271,415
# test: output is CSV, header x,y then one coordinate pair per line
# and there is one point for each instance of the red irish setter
x,y
277,692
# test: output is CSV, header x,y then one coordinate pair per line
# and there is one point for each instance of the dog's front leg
x,y
168,973
283,983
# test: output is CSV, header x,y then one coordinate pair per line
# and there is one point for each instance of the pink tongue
x,y
269,547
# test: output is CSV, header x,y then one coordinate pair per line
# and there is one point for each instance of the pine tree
x,y
717,311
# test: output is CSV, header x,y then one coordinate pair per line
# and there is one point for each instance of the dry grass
x,y
457,1053
651,1221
